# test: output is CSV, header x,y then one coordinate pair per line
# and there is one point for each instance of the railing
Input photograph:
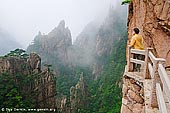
x,y
153,69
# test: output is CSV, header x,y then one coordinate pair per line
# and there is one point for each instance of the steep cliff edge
x,y
36,87
152,17
133,96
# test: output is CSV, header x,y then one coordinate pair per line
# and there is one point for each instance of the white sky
x,y
24,18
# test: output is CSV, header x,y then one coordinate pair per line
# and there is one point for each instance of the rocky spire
x,y
78,95
54,44
39,33
61,24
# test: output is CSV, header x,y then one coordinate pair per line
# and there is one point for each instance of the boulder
x,y
135,97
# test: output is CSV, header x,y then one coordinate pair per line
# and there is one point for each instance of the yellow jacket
x,y
137,42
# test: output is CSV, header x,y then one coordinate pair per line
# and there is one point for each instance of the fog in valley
x,y
63,54
23,19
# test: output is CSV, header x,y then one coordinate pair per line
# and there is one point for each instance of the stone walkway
x,y
147,84
147,94
147,90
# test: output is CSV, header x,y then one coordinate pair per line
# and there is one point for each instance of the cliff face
x,y
133,96
53,47
16,64
152,17
79,96
42,81
112,29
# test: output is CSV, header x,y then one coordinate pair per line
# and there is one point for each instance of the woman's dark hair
x,y
136,30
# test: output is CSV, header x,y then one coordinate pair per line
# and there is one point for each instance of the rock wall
x,y
42,84
46,90
152,17
79,96
133,96
14,65
53,47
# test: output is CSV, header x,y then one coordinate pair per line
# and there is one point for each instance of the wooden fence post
x,y
161,61
146,71
129,64
153,100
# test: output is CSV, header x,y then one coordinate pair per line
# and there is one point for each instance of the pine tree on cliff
x,y
124,2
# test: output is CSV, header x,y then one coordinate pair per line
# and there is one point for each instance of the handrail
x,y
160,98
131,60
152,57
165,81
136,61
153,69
135,51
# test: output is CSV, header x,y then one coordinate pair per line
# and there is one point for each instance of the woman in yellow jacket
x,y
137,40
137,43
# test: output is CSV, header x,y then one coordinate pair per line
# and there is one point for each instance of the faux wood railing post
x,y
155,79
161,61
129,64
146,71
153,100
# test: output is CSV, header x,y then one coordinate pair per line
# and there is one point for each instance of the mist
x,y
23,19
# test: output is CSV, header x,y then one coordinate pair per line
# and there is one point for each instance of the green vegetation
x,y
70,78
17,88
105,92
18,53
11,94
124,2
